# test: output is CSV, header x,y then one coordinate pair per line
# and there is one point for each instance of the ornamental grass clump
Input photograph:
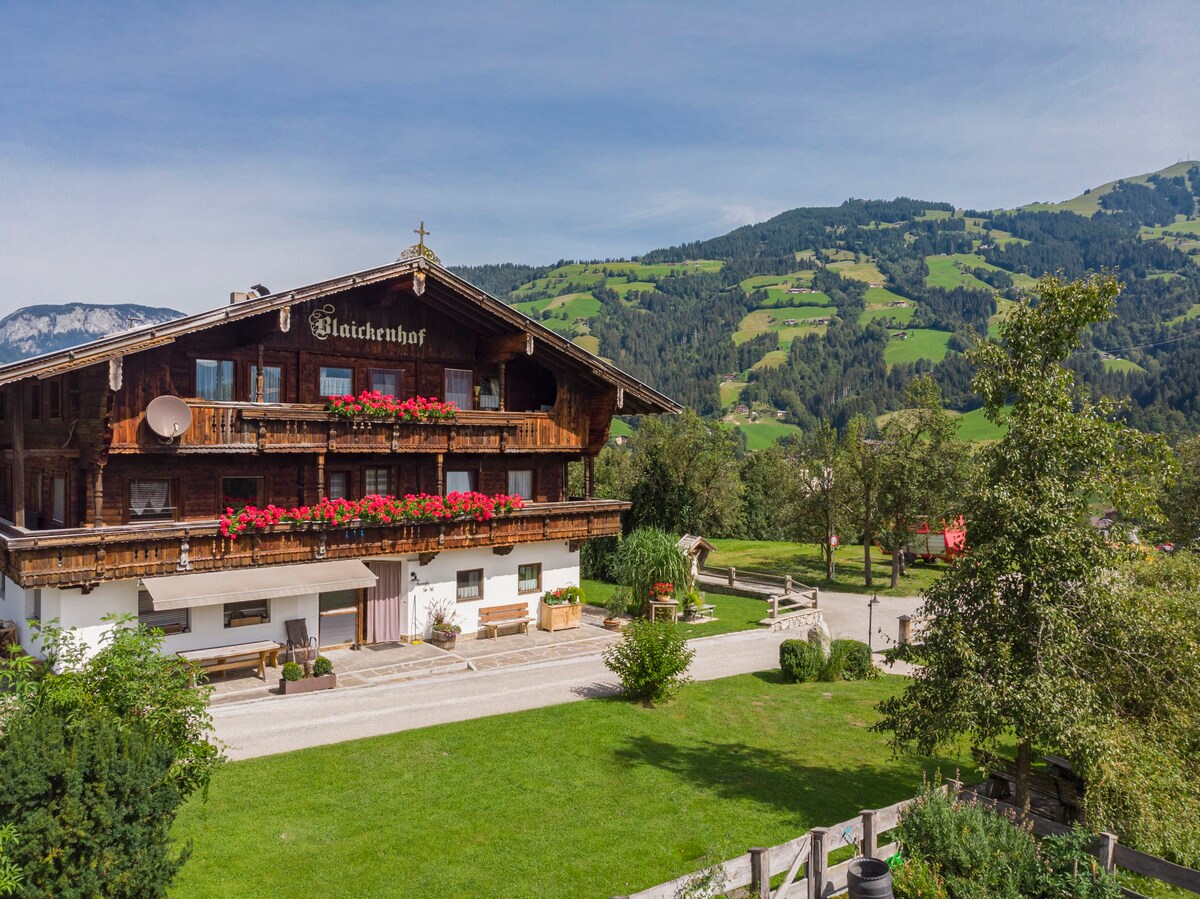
x,y
385,407
371,510
647,560
651,659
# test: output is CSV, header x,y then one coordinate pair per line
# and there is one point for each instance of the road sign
x,y
833,540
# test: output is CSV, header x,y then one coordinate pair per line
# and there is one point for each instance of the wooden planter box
x,y
307,684
560,618
442,640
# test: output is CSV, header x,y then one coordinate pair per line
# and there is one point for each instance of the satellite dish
x,y
168,416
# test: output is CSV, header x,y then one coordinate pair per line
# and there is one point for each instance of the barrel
x,y
869,878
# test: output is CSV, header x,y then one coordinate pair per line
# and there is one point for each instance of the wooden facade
x,y
76,452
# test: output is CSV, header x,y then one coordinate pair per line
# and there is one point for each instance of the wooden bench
x,y
702,612
1061,792
496,617
240,655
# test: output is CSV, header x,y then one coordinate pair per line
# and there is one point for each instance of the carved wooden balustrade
x,y
82,557
254,428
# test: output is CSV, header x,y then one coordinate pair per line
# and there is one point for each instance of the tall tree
x,y
822,492
861,461
1009,624
922,468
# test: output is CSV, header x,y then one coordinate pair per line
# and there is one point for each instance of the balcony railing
x,y
82,557
280,428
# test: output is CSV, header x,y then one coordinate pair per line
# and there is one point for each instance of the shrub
x,y
1075,872
292,671
618,603
979,855
322,666
93,800
800,660
563,596
651,659
859,662
917,879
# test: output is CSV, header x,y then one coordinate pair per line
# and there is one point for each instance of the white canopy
x,y
214,587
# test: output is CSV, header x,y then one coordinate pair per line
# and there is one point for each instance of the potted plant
x,y
443,625
297,679
617,605
561,609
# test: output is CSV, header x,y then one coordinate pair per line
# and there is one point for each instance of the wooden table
x,y
238,655
670,606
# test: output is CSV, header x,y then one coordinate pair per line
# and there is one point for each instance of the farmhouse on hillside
x,y
133,465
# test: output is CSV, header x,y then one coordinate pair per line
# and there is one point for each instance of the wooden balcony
x,y
83,557
271,428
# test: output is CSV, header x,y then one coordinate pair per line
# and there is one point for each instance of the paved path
x,y
273,725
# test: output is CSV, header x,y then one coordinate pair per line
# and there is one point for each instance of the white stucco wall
x,y
436,581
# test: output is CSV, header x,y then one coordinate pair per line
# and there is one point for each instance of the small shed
x,y
696,549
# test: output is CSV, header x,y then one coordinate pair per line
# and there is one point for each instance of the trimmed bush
x,y
800,660
322,666
292,671
651,660
848,660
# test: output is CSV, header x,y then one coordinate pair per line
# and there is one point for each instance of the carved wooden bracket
x,y
502,550
573,545
426,558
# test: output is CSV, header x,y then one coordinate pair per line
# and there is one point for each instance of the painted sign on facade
x,y
325,324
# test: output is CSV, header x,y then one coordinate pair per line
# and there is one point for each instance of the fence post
x,y
905,629
1106,847
954,787
732,575
774,603
818,859
760,873
787,581
870,839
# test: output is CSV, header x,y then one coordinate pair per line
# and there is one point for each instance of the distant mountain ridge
x,y
34,330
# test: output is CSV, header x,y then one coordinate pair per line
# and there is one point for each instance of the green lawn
x,y
803,562
624,288
944,271
619,428
734,613
761,434
593,798
922,343
776,358
729,391
975,426
901,315
866,270
1193,312
1122,365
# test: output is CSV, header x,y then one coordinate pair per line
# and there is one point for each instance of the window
x,y
520,483
214,380
33,604
241,614
470,585
378,481
35,488
272,384
489,393
56,399
386,381
151,499
58,498
529,578
460,482
169,621
336,381
458,387
35,402
238,492
339,485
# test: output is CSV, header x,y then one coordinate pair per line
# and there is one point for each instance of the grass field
x,y
624,288
803,561
734,613
922,343
593,798
944,271
1088,204
620,428
588,342
1186,316
865,270
773,359
729,391
974,427
779,298
761,434
763,320
1122,365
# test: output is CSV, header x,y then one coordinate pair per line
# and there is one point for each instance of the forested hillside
x,y
825,313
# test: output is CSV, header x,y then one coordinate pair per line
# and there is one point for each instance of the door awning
x,y
214,587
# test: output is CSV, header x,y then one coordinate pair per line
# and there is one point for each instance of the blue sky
x,y
169,153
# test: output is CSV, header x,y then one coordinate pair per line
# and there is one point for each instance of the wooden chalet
x,y
101,514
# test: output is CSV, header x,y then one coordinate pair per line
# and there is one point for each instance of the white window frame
x,y
537,586
459,588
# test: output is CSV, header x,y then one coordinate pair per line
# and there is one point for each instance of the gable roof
x,y
638,398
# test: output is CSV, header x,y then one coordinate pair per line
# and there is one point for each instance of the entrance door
x,y
387,604
339,618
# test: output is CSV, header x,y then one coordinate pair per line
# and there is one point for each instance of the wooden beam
x,y
16,409
98,495
501,348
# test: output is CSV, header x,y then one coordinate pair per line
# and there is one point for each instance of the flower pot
x,y
612,624
445,639
560,617
307,684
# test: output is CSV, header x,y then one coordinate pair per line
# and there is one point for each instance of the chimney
x,y
238,296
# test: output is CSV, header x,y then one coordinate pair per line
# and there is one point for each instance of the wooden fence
x,y
759,866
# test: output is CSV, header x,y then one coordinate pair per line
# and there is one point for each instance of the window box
x,y
307,684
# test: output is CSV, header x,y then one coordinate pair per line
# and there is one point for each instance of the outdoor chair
x,y
300,646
